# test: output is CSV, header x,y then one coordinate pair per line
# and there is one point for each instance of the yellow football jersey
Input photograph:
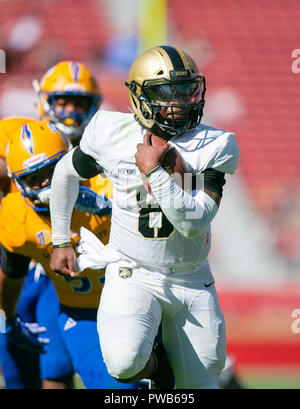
x,y
8,126
100,185
24,231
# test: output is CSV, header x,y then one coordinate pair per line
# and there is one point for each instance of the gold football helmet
x,y
166,91
31,156
68,80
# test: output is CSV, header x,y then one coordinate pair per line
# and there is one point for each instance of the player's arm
x,y
12,273
73,167
4,137
189,213
4,179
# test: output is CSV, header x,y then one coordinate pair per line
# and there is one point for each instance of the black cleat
x,y
162,377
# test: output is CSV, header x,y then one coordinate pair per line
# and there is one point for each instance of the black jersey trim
x,y
214,180
85,165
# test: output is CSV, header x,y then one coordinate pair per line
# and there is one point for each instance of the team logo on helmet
x,y
75,70
32,155
26,137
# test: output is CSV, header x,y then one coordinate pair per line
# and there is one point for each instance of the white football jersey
x,y
139,229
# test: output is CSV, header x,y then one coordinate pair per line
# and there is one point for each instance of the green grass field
x,y
270,377
254,379
272,383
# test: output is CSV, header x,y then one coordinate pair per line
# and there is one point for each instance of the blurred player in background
x,y
32,154
39,365
157,256
68,96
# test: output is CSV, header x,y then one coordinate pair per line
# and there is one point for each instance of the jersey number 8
x,y
153,223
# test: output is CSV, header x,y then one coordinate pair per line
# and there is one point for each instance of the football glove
x,y
25,335
93,253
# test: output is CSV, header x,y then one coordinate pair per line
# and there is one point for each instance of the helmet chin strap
x,y
158,131
168,129
68,131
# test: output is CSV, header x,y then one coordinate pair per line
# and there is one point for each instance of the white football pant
x,y
130,312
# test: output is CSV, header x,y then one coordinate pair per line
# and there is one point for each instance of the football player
x,y
68,97
25,234
28,368
156,259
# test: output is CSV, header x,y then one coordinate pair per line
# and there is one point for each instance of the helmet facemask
x,y
173,106
32,182
68,80
166,91
72,123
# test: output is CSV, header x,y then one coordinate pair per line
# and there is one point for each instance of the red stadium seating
x,y
76,26
253,42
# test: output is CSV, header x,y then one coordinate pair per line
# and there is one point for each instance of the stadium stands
x,y
244,48
248,49
79,27
252,43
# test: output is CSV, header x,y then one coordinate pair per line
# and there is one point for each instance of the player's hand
x,y
147,156
25,335
63,261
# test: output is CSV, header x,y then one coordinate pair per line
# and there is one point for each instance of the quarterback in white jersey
x,y
112,137
156,259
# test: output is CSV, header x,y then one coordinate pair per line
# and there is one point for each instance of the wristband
x,y
61,246
151,171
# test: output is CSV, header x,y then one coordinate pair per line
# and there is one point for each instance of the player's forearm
x,y
64,191
189,215
3,168
3,173
10,289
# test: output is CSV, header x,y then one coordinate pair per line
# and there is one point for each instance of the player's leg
x,y
194,338
79,329
15,365
229,378
128,321
20,368
56,364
